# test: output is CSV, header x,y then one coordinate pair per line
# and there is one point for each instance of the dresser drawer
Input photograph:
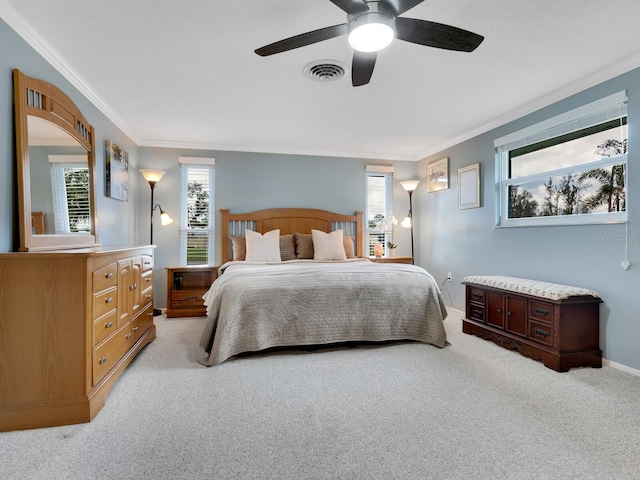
x,y
104,326
147,263
477,295
541,311
105,301
541,332
141,324
475,312
107,354
105,277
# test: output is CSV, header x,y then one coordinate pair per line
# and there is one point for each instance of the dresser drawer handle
x,y
108,325
135,329
146,262
148,280
150,314
540,333
478,313
541,311
499,310
102,360
133,287
476,296
109,275
192,299
128,336
509,314
108,300
148,297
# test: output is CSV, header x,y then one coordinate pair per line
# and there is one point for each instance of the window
x,y
197,211
379,206
570,169
70,189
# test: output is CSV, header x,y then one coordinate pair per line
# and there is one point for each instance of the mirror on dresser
x,y
56,168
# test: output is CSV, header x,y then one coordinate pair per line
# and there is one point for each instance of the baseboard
x,y
455,313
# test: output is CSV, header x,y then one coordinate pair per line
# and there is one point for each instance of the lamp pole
x,y
152,184
411,217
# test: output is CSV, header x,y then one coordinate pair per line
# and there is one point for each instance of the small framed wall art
x,y
469,186
438,175
117,172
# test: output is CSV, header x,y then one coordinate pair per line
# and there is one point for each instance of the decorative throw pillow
x,y
239,245
348,247
287,247
304,245
328,246
263,248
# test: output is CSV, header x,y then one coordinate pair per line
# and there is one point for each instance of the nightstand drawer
x,y
188,298
475,312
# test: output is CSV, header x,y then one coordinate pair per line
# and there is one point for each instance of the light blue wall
x,y
466,242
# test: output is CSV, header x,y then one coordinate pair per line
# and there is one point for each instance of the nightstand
x,y
391,259
185,288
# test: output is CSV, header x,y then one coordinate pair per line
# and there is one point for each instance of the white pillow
x,y
328,246
263,248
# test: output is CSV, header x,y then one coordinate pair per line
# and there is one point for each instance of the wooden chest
x,y
561,333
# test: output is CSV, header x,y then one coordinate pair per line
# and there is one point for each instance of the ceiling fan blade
x,y
398,7
437,35
303,39
362,67
351,6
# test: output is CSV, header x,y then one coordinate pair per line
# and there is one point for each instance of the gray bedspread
x,y
251,307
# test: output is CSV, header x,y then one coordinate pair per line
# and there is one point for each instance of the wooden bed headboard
x,y
289,220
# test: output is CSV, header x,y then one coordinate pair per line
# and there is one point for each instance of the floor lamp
x,y
153,176
410,186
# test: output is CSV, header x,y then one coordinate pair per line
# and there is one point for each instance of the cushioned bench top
x,y
552,291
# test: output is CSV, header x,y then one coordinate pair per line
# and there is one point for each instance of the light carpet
x,y
472,410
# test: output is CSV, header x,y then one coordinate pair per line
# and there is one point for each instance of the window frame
x,y
576,120
385,172
208,164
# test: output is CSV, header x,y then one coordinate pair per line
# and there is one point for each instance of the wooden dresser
x,y
70,323
562,333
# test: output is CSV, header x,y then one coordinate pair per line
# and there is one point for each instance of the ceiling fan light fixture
x,y
371,31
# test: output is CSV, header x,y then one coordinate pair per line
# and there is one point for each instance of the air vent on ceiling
x,y
325,70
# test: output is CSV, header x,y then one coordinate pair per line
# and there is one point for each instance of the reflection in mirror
x,y
56,168
59,181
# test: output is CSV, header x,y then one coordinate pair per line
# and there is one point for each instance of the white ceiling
x,y
184,74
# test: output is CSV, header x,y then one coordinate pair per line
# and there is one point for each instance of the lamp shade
x,y
165,219
152,175
410,185
406,223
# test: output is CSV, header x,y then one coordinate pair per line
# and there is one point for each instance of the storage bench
x,y
557,324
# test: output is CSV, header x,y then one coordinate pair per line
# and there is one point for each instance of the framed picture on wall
x,y
438,175
469,186
117,172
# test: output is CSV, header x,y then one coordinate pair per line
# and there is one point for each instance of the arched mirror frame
x,y
44,100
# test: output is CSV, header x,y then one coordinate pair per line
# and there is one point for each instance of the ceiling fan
x,y
371,26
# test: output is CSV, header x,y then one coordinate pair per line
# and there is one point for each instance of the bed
x,y
320,290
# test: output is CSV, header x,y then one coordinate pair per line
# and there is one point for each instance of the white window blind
x,y
379,206
197,211
70,189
